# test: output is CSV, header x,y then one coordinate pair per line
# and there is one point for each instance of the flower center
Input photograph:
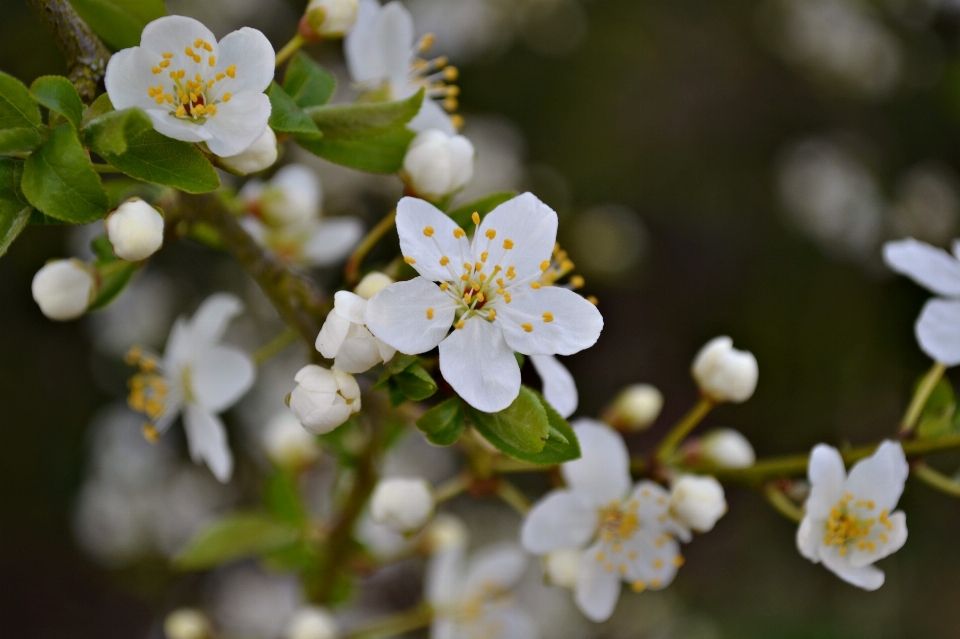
x,y
194,98
619,522
148,389
846,527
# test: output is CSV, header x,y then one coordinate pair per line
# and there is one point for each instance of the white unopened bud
x,y
292,198
438,164
287,444
324,399
256,157
135,230
64,289
312,622
723,373
402,504
697,502
186,623
444,532
332,18
727,448
636,407
562,567
372,283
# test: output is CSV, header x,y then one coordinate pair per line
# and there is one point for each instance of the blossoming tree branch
x,y
435,340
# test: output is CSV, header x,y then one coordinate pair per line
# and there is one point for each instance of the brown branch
x,y
85,53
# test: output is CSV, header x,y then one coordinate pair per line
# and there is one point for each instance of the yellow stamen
x,y
444,260
475,217
150,433
548,317
189,52
429,313
156,70
461,324
490,234
428,231
227,96
444,286
232,71
544,265
508,244
459,232
534,284
409,260
493,315
167,55
212,61
576,281
527,327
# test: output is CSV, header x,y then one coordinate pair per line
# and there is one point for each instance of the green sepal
x,y
308,83
462,215
233,537
60,96
444,423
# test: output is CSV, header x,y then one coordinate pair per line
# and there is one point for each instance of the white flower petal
x,y
179,345
444,576
938,331
386,351
220,377
932,268
350,305
432,116
478,364
574,323
360,351
395,35
559,387
531,225
866,577
827,475
238,123
398,315
207,440
174,33
597,589
177,128
253,56
414,216
563,519
360,45
129,77
510,623
656,561
653,509
210,321
497,567
809,539
880,477
333,240
332,334
895,538
602,473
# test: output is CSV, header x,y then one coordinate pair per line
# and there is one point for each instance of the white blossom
x,y
135,230
402,504
345,339
697,502
489,293
324,399
562,567
258,156
559,387
383,59
312,622
288,444
938,327
444,532
372,283
727,448
197,377
64,289
194,88
724,373
636,407
332,18
437,164
848,524
187,623
627,531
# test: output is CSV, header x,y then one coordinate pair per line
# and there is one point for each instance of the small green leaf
x,y
308,83
282,498
19,141
234,537
119,22
17,108
58,94
97,108
398,364
415,383
59,180
14,209
520,429
444,423
287,117
462,214
939,417
562,445
108,134
155,158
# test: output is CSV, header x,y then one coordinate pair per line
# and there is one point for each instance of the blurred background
x,y
720,167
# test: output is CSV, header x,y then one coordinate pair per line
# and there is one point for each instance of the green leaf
x,y
103,249
308,83
59,180
404,378
369,136
97,108
520,429
17,108
234,537
462,214
119,22
108,134
155,158
287,117
398,364
562,445
282,498
58,94
444,423
36,217
939,417
14,209
19,141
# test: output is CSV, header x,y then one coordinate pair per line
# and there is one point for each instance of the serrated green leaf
x,y
17,108
19,141
14,209
308,83
155,158
234,537
119,22
462,214
281,497
59,180
59,95
520,429
287,117
108,134
444,423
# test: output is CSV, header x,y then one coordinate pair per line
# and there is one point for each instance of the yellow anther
x,y
508,244
151,91
593,299
164,64
679,561
199,79
189,52
428,231
490,234
475,217
658,564
481,298
210,83
638,586
159,99
461,324
150,433
193,97
426,42
548,317
212,61
199,109
632,555
181,112
527,327
544,265
167,55
655,583
409,260
534,284
465,277
208,48
601,556
198,42
156,70
459,232
211,110
467,297
221,76
500,291
566,266
232,71
883,537
492,315
483,278
478,266
450,74
444,260
577,281
457,121
429,313
500,281
227,96
511,273
506,297
450,104
197,59
622,569
484,256
444,286
474,285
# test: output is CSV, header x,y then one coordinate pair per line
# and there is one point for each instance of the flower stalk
x,y
683,428
352,270
291,47
936,480
920,398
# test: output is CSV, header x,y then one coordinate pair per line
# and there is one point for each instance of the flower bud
x,y
636,407
256,157
372,283
135,230
723,373
64,289
287,444
438,164
332,18
292,198
561,567
312,622
402,504
186,623
444,532
324,399
727,448
697,502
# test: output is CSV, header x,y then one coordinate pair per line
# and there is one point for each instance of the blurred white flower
x,y
135,230
332,18
258,156
636,407
142,315
345,339
187,623
312,622
562,567
723,373
437,164
727,448
324,399
64,289
697,502
443,533
287,444
848,524
402,504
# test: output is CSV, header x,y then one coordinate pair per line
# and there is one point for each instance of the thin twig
x,y
289,49
937,480
352,270
513,497
781,503
275,346
680,431
920,398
